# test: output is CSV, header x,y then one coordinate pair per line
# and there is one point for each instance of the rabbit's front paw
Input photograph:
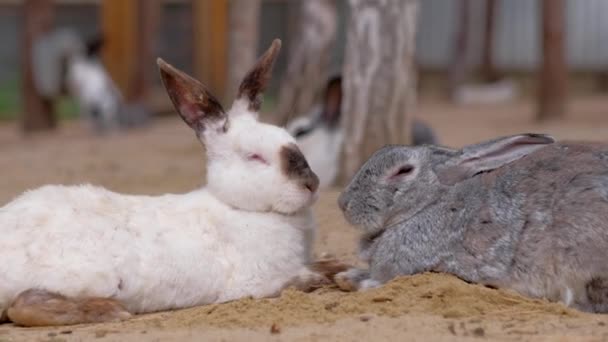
x,y
329,267
369,284
308,281
354,279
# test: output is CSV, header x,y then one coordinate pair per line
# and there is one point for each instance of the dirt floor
x,y
165,157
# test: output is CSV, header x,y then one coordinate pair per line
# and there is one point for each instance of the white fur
x,y
321,147
248,233
568,296
90,84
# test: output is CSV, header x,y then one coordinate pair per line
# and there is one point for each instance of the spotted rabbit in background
x,y
522,212
85,254
320,136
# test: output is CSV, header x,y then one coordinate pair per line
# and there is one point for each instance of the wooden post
x,y
130,29
210,48
38,113
553,80
458,68
120,25
488,70
243,32
309,58
146,71
379,79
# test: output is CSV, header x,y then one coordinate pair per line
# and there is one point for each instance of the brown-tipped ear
x,y
256,80
192,100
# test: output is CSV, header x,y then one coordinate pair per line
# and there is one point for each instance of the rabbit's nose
x,y
312,183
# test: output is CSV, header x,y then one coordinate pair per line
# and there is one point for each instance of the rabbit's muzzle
x,y
296,167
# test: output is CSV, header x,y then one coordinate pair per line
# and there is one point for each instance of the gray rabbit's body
x,y
521,212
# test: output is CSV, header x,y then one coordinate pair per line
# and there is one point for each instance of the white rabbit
x,y
64,63
98,97
86,254
320,144
320,136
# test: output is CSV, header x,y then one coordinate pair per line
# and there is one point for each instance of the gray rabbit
x,y
522,212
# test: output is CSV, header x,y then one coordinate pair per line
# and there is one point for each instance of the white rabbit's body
x,y
150,253
84,254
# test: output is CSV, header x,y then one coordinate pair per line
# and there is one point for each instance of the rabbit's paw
x,y
44,308
597,295
369,284
308,281
329,267
354,279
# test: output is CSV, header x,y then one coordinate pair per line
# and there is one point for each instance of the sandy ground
x,y
165,157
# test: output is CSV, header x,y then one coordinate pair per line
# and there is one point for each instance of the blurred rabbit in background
x,y
320,136
64,64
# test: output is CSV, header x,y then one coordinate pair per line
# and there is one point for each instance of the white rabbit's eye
x,y
256,157
403,170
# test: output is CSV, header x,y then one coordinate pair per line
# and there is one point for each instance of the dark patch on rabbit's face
x,y
296,167
392,185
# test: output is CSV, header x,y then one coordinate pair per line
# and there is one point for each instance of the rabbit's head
x,y
318,134
399,181
250,165
325,115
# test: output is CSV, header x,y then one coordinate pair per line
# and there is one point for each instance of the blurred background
x,y
82,76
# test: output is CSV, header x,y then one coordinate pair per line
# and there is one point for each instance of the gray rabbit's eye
x,y
403,170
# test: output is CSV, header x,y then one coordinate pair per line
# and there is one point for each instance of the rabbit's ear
x,y
252,88
490,155
332,102
192,100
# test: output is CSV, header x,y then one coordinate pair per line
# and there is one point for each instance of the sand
x,y
428,307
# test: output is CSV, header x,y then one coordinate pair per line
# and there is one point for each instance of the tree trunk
x,y
243,38
37,111
488,70
379,79
458,67
553,80
210,38
145,71
309,59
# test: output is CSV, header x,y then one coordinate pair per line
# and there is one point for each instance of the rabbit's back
x,y
89,241
557,209
55,235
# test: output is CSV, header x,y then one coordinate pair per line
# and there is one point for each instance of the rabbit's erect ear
x,y
490,155
256,80
332,101
192,100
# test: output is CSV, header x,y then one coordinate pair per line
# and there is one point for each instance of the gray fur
x,y
522,212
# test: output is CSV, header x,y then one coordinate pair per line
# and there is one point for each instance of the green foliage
x,y
269,103
10,103
67,108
